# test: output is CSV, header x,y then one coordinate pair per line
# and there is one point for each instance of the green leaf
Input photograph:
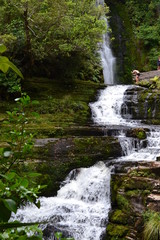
x,y
1,150
34,175
15,69
5,64
5,176
24,183
5,213
2,48
2,186
11,175
10,204
58,235
17,224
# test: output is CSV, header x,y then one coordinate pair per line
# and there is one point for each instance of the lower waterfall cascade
x,y
82,205
80,208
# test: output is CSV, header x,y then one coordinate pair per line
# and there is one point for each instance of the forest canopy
x,y
145,19
53,36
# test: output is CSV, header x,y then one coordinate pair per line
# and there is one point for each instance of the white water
x,y
107,110
134,150
81,206
108,60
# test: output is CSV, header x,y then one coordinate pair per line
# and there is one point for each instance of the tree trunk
x,y
29,58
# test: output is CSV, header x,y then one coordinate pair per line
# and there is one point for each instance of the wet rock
x,y
50,231
135,190
158,158
55,158
137,133
149,75
153,201
141,103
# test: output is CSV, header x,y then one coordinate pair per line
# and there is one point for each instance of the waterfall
x,y
108,60
80,208
107,110
82,205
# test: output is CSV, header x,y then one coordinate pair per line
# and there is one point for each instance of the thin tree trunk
x,y
28,38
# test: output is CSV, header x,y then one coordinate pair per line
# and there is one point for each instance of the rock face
x,y
141,103
149,75
55,158
134,192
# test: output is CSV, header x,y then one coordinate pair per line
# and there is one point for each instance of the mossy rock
x,y
123,202
150,173
137,133
55,158
115,230
137,183
118,216
153,83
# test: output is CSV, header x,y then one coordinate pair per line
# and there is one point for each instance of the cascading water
x,y
108,60
107,112
82,205
80,208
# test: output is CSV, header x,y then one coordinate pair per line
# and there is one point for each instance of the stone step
x,y
149,75
129,238
132,234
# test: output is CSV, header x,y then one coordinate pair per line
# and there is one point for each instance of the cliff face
x,y
124,43
135,31
142,103
135,195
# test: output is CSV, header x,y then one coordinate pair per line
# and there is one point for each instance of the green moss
x,y
153,83
124,44
119,217
149,105
133,193
137,133
115,230
103,147
142,173
61,106
136,183
141,134
122,202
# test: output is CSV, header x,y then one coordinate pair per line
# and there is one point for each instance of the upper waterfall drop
x,y
108,60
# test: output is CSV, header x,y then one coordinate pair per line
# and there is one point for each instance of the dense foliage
x,y
54,38
145,18
152,225
16,188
